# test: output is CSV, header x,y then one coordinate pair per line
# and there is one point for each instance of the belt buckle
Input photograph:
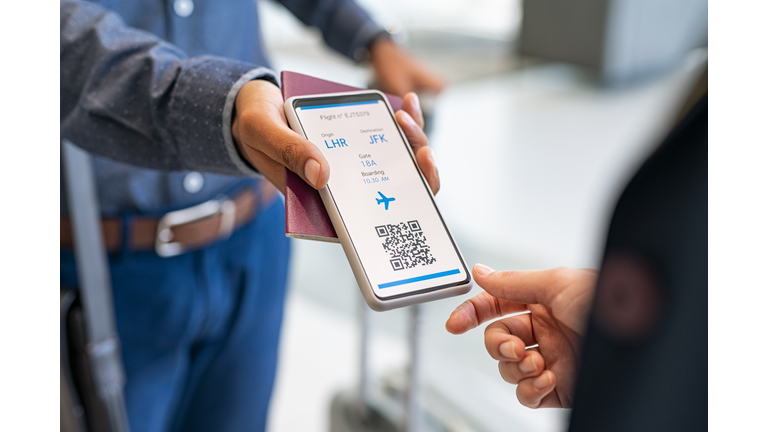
x,y
165,247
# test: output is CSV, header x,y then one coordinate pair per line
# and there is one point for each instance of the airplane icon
x,y
384,200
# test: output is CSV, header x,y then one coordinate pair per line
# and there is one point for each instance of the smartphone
x,y
400,250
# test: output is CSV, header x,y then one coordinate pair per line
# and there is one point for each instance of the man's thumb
x,y
302,157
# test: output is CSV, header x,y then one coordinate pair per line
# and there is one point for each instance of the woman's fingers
x,y
532,365
532,391
565,291
537,287
506,339
502,346
479,309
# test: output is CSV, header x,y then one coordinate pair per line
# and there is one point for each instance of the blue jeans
x,y
200,331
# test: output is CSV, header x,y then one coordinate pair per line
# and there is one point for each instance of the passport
x,y
305,215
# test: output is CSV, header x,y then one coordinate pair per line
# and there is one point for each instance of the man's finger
x,y
479,309
425,159
269,168
272,137
303,158
412,106
260,124
420,145
413,132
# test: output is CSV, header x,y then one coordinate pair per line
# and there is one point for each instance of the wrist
x,y
268,78
231,111
378,40
251,101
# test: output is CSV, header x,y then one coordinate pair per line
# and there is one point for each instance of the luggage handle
x,y
103,344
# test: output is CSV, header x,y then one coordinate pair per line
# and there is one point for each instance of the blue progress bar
x,y
338,105
420,278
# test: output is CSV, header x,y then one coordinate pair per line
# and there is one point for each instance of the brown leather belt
x,y
183,230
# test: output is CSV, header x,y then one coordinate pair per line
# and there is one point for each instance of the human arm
x,y
127,95
559,301
349,29
398,72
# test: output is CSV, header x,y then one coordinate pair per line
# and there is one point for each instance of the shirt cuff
x,y
350,29
368,38
201,119
226,119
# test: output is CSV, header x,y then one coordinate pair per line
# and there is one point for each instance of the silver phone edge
x,y
366,289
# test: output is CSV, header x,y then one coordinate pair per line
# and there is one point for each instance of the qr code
x,y
406,245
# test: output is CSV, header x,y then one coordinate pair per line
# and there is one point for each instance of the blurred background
x,y
551,106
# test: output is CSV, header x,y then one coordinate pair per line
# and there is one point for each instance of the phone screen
x,y
385,205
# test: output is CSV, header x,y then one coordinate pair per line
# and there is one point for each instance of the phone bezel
x,y
297,102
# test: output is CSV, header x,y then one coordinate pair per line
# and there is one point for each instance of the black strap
x,y
103,344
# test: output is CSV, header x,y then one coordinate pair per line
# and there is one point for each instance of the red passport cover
x,y
305,215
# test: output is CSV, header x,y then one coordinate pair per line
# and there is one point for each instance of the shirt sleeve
x,y
127,95
346,26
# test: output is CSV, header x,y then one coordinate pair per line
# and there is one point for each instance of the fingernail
x,y
527,366
409,119
542,381
431,156
483,270
507,349
312,172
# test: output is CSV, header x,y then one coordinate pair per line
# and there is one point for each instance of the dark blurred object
x,y
92,375
71,411
644,359
622,41
81,410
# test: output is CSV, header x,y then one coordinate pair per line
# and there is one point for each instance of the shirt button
x,y
193,182
183,8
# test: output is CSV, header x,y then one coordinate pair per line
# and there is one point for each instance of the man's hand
x,y
263,137
398,73
559,301
411,121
